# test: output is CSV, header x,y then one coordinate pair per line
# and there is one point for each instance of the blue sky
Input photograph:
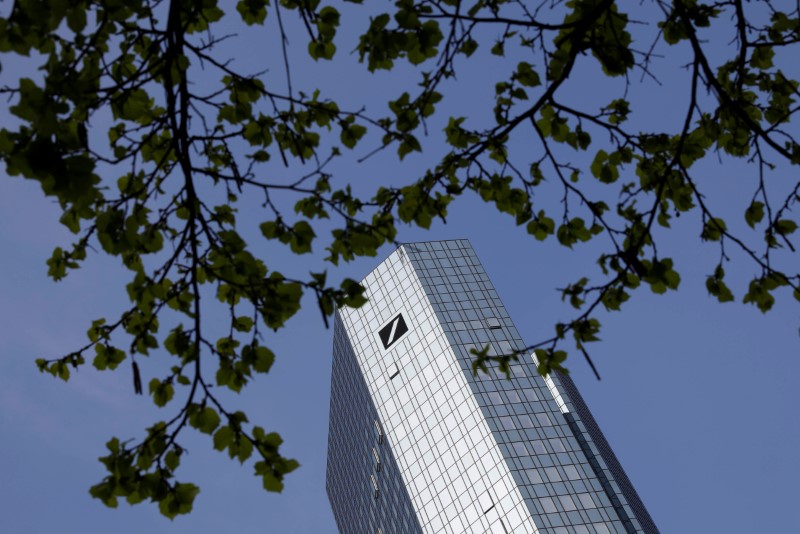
x,y
699,400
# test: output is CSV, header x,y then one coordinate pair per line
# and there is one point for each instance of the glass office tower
x,y
417,444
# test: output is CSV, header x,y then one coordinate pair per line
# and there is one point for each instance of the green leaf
x,y
353,293
762,56
302,237
243,449
754,213
242,324
660,275
716,286
351,133
541,226
97,330
614,297
550,360
179,501
468,47
76,19
785,227
321,49
223,437
713,229
456,135
205,420
272,229
264,358
107,357
758,294
104,491
604,169
172,459
498,49
526,75
162,391
573,231
252,11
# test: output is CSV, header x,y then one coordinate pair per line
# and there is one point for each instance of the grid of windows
x,y
623,495
476,453
546,460
362,479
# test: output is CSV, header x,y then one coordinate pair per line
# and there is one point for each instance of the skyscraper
x,y
418,444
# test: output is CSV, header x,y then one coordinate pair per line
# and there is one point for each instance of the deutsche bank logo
x,y
393,331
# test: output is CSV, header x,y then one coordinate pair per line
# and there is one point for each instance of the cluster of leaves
x,y
740,107
184,153
148,196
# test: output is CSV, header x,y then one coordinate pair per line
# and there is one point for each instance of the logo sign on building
x,y
393,331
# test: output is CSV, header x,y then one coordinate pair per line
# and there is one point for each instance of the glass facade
x,y
455,452
363,481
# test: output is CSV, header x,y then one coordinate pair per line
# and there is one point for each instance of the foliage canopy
x,y
189,138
